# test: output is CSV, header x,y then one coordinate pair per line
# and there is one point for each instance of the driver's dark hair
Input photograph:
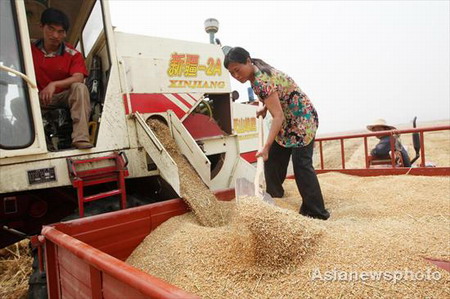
x,y
240,55
53,16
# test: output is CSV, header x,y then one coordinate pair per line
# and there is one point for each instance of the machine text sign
x,y
183,70
43,175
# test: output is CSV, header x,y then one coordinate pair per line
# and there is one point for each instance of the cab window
x,y
86,32
93,28
16,128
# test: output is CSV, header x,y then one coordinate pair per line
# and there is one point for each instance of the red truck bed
x,y
85,257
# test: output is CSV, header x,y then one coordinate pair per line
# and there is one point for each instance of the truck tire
x,y
37,284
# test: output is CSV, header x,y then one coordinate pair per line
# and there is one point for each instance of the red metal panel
x,y
439,263
193,98
72,287
162,216
74,275
122,187
202,126
53,286
136,279
86,226
249,156
77,182
152,103
102,195
366,150
115,289
95,176
181,99
321,155
422,150
115,232
425,171
122,250
392,132
225,194
95,283
112,235
392,143
96,171
422,170
80,270
117,241
93,160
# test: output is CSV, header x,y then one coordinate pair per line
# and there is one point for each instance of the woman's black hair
x,y
52,16
240,55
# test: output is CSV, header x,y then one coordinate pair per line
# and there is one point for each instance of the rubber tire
x,y
37,284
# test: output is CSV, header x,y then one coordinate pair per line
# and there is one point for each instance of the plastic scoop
x,y
245,188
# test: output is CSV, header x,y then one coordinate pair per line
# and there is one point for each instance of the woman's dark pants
x,y
275,169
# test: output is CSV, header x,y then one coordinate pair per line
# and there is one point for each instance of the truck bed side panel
x,y
85,256
115,289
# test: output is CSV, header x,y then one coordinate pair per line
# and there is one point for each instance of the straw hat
x,y
380,123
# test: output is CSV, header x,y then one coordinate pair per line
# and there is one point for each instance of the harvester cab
x,y
132,78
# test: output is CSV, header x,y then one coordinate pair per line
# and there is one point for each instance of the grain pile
x,y
268,243
196,194
281,238
15,269
380,228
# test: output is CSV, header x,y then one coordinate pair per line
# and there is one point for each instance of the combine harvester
x,y
132,79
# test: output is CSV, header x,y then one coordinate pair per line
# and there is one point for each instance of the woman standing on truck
x,y
293,127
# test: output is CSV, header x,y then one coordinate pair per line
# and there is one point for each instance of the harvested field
x,y
379,226
15,269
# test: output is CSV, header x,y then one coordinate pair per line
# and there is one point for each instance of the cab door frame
x,y
39,145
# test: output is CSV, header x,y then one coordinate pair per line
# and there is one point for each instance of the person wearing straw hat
x,y
292,131
382,149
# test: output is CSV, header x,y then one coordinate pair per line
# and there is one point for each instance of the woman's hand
x,y
264,153
261,112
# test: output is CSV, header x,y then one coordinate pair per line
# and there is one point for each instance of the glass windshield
x,y
93,28
16,130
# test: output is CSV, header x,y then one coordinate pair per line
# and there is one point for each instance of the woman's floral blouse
x,y
301,119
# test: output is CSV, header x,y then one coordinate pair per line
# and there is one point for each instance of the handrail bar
x,y
392,134
389,132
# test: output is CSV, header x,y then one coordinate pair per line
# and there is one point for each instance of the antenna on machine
x,y
211,27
